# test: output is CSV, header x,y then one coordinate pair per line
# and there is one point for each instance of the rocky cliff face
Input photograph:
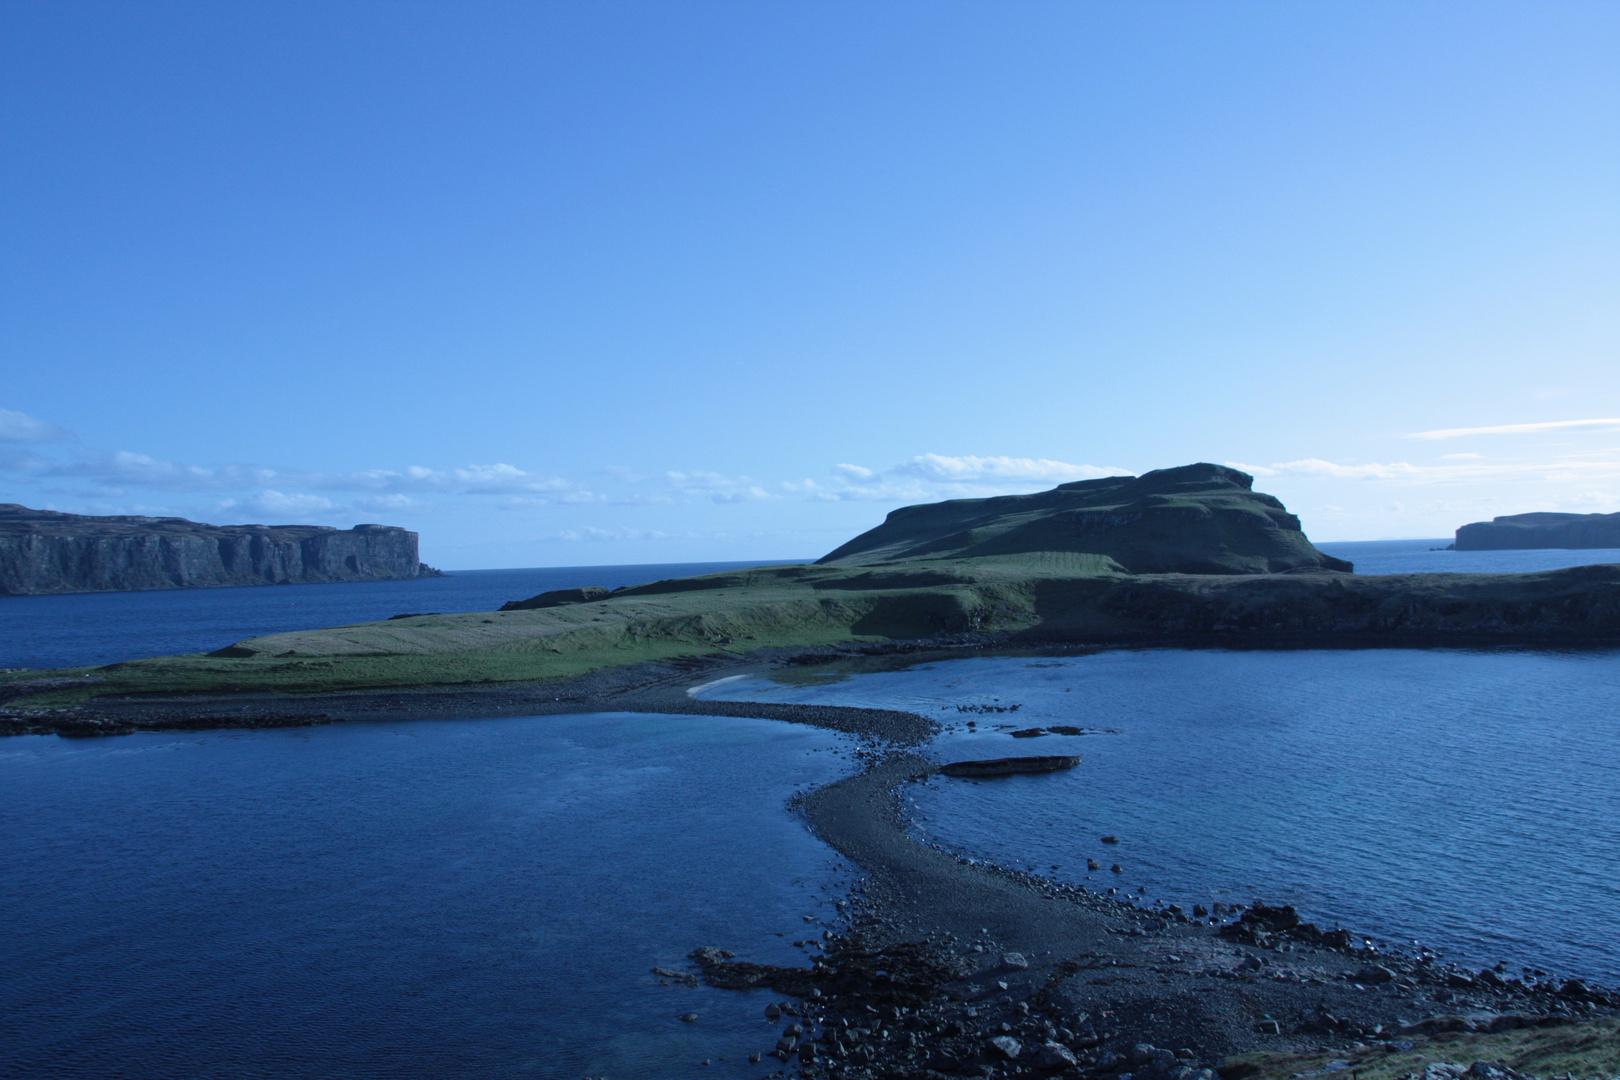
x,y
42,551
1196,519
1521,531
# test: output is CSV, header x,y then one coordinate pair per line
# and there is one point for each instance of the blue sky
x,y
593,283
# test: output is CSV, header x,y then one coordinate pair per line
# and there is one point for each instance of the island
x,y
1518,532
939,965
1189,555
43,551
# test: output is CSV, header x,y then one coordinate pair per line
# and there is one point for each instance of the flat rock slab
x,y
1010,766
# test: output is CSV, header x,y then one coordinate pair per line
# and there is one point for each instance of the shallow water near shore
x,y
475,898
1466,799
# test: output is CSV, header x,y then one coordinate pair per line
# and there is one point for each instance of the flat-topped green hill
x,y
1188,555
1197,519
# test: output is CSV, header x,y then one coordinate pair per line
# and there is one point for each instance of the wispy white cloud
x,y
1461,468
594,534
497,479
277,505
20,427
1610,424
929,477
969,468
717,486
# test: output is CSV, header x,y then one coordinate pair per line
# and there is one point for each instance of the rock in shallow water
x,y
1011,766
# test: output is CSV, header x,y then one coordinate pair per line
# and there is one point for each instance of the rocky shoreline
x,y
946,967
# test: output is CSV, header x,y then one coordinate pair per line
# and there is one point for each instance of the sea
x,y
490,897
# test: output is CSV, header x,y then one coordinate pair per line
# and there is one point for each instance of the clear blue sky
x,y
595,283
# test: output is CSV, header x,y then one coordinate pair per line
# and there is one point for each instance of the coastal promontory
x,y
1189,556
1517,532
43,551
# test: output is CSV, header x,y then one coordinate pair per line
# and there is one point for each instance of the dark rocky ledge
x,y
42,551
1010,766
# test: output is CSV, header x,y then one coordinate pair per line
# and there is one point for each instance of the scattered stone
x,y
1054,1055
1007,1047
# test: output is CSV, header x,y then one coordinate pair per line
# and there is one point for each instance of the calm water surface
x,y
477,898
1425,557
102,628
484,898
1470,800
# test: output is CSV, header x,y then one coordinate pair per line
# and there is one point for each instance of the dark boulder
x,y
1010,766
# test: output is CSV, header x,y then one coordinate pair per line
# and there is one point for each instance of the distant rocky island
x,y
43,551
1517,532
1196,519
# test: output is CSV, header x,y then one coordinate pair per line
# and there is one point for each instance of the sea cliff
x,y
42,551
1522,531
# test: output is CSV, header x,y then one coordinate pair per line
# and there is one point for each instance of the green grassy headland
x,y
1184,554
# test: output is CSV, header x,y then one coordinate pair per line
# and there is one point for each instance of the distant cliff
x,y
1520,531
1196,519
42,551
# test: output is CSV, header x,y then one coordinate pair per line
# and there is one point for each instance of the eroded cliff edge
x,y
42,551
1518,532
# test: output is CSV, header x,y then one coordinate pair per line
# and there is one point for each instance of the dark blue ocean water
x,y
1467,799
102,628
484,898
1428,557
475,898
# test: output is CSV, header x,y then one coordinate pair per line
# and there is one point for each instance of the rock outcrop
x,y
1522,531
1010,766
559,597
42,551
1196,519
